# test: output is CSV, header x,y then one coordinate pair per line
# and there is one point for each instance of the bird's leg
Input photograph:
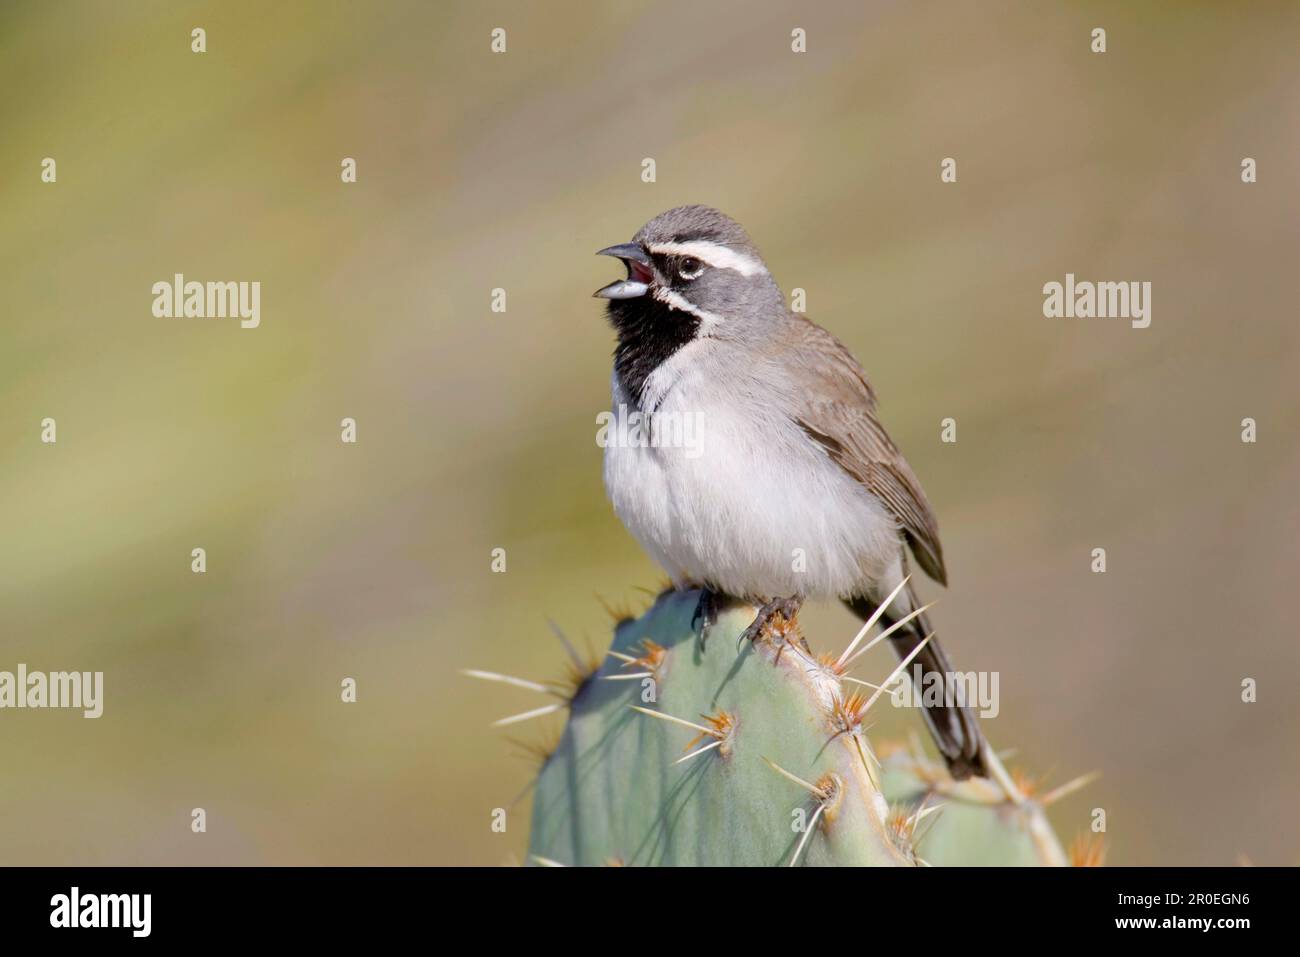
x,y
787,608
708,609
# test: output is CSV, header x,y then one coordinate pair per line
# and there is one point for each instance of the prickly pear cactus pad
x,y
979,825
678,752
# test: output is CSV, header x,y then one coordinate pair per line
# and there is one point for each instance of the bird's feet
x,y
708,610
787,608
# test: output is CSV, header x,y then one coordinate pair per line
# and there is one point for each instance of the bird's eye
x,y
690,268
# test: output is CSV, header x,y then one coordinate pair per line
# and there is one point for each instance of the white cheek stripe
x,y
674,301
715,254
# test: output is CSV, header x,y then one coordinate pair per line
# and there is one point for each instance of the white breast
x,y
750,505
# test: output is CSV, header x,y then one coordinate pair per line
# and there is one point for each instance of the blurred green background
x,y
476,429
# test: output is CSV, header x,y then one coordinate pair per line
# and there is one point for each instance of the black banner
x,y
206,905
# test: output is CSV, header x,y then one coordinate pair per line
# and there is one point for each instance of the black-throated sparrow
x,y
795,490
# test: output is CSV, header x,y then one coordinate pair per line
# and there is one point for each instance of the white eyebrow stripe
x,y
715,254
674,301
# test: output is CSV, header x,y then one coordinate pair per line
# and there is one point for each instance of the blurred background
x,y
476,429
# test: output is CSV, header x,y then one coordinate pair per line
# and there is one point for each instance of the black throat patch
x,y
649,332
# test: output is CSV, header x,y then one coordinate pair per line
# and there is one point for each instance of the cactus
x,y
683,752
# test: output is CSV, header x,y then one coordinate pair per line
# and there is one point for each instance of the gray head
x,y
691,272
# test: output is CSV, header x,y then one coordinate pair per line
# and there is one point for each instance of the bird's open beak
x,y
640,272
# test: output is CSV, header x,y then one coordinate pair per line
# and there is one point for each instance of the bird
x,y
792,489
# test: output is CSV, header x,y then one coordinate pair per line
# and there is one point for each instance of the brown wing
x,y
839,413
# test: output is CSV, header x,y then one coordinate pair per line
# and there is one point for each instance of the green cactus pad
x,y
614,791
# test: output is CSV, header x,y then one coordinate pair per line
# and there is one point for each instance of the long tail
x,y
954,728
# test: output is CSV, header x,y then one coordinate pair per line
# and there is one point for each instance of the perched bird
x,y
793,489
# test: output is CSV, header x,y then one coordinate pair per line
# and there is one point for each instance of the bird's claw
x,y
787,608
